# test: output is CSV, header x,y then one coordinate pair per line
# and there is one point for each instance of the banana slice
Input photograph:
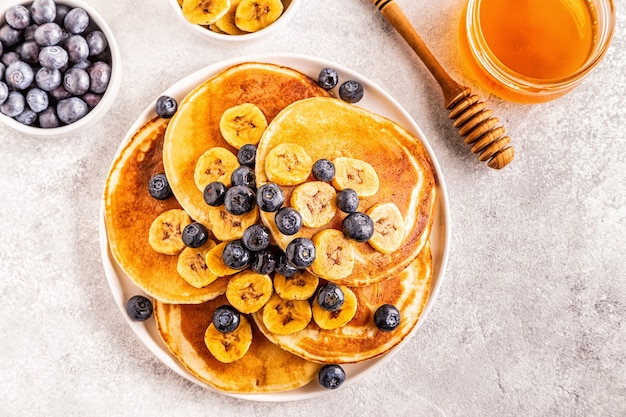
x,y
334,258
192,265
205,12
232,346
300,286
329,320
389,228
286,316
166,232
248,291
254,15
216,164
242,124
316,202
355,174
227,226
288,164
216,264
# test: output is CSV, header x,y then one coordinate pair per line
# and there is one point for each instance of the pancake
x,y
195,127
330,128
360,340
129,212
264,368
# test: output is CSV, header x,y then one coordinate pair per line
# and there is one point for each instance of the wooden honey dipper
x,y
471,117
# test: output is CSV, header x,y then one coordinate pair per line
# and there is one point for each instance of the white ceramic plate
x,y
376,100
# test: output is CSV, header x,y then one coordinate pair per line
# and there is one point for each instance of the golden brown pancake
x,y
129,212
264,368
330,128
360,339
195,127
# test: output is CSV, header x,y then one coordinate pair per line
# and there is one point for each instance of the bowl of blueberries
x,y
60,66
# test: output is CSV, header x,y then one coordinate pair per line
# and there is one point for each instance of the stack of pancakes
x,y
297,110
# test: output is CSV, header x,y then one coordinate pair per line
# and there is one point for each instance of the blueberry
x,y
300,252
18,17
284,267
77,49
14,104
4,92
48,119
243,175
62,11
387,318
270,197
92,99
139,308
347,200
331,376
60,93
19,75
48,34
27,117
76,20
256,237
239,199
9,36
288,221
76,81
99,75
236,255
226,319
29,33
214,193
358,226
37,100
166,107
328,78
195,235
10,57
263,262
43,11
97,42
323,170
330,297
71,109
247,155
29,52
53,57
48,79
159,187
351,91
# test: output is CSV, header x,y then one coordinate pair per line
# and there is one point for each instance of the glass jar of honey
x,y
532,51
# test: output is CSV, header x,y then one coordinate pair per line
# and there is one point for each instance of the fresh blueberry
x,y
247,155
159,187
53,57
19,75
351,91
10,57
43,11
29,52
77,49
48,79
92,99
27,117
270,197
166,107
243,175
214,193
263,262
18,17
37,100
76,81
256,237
236,255
4,92
226,319
76,20
62,11
323,170
48,34
97,42
29,32
300,252
288,221
139,308
283,266
331,376
82,64
71,109
387,318
48,119
239,199
60,93
330,297
358,226
347,200
14,104
100,75
328,78
195,235
9,36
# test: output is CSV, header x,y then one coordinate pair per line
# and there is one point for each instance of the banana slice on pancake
x,y
242,124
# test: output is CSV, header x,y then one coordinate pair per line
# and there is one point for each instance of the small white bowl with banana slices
x,y
229,22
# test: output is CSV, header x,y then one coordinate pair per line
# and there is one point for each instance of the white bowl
x,y
110,94
289,11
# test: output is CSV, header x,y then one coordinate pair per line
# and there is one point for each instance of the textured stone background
x,y
530,317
